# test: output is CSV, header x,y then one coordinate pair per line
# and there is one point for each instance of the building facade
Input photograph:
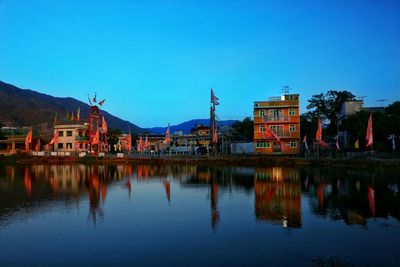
x,y
277,125
72,137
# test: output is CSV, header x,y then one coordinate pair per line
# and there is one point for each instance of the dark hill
x,y
24,107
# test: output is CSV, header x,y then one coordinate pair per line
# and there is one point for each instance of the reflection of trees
x,y
352,196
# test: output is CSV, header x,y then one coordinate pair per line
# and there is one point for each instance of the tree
x,y
244,128
328,105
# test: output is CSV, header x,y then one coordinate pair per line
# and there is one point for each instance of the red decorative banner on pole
x,y
369,136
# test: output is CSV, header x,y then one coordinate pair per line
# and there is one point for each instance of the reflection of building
x,y
278,196
281,116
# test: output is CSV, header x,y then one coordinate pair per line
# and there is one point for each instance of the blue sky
x,y
155,61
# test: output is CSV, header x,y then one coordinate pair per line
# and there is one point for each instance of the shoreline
x,y
249,160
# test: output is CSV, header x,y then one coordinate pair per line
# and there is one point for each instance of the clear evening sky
x,y
155,61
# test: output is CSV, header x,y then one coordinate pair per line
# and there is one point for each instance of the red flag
x,y
96,138
318,135
269,134
94,98
369,136
28,139
214,99
104,125
129,141
78,114
215,137
101,103
167,137
55,139
140,145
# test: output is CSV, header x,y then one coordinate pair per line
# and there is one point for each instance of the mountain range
x,y
24,107
187,126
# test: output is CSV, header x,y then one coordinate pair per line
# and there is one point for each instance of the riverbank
x,y
242,160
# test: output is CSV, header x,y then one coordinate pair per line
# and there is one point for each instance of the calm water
x,y
197,216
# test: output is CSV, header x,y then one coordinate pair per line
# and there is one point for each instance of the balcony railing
x,y
280,134
82,138
275,118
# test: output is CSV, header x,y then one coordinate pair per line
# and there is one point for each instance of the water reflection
x,y
278,196
353,197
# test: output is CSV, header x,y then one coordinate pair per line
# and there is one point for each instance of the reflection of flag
x,y
371,200
356,145
305,142
167,186
369,136
28,139
146,142
28,182
72,116
78,114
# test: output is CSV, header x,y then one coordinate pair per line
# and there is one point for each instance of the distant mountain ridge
x,y
25,107
186,126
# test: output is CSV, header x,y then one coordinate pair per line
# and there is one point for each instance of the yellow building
x,y
72,137
277,125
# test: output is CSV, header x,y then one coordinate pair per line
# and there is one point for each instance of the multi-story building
x,y
277,125
72,137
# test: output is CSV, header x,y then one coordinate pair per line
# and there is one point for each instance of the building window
x,y
69,146
292,128
260,144
262,113
80,133
60,145
80,146
292,112
263,144
69,133
262,128
60,133
293,143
